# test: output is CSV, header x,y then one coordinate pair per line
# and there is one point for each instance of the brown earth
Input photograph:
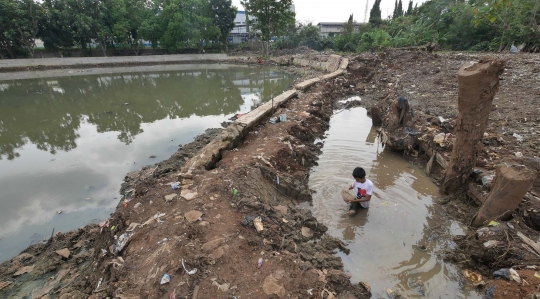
x,y
267,175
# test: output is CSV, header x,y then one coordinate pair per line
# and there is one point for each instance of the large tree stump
x,y
508,189
478,84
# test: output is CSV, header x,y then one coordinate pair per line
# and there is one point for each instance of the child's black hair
x,y
359,172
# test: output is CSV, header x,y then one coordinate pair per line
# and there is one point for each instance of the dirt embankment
x,y
161,244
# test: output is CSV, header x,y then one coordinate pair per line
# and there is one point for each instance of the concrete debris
x,y
170,197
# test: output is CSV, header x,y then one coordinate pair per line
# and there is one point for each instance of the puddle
x,y
394,243
67,142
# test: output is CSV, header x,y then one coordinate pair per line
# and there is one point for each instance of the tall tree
x,y
273,17
375,13
395,13
348,28
224,15
409,9
400,9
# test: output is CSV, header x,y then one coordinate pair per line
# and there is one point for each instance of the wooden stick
x,y
195,292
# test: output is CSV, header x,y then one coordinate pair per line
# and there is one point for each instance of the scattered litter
x,y
492,243
274,120
257,222
514,276
104,224
283,118
285,220
188,272
389,292
121,242
59,212
174,186
165,279
235,191
518,137
103,252
113,227
310,292
248,221
490,292
221,287
536,274
504,272
514,49
493,223
442,119
260,262
472,276
486,180
439,138
510,225
519,154
163,241
99,283
137,205
170,197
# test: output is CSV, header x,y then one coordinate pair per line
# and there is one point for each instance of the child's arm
x,y
363,199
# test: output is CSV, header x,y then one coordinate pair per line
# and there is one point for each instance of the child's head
x,y
359,174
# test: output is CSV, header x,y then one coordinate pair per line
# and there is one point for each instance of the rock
x,y
79,244
187,195
193,216
170,197
218,253
24,270
212,245
281,209
64,253
307,232
272,287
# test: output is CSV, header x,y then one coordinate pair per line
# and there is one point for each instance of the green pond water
x,y
66,142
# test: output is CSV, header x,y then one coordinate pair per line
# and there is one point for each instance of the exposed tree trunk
x,y
376,119
478,84
510,185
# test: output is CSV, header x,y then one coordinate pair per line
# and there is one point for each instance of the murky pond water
x,y
393,243
67,142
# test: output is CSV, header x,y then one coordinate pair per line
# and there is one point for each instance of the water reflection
x,y
393,243
48,112
66,143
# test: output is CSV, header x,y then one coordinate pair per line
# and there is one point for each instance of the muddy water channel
x,y
67,142
394,243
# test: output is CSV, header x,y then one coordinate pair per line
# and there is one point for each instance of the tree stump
x,y
508,189
478,84
376,119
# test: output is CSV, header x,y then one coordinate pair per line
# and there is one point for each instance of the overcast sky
x,y
337,10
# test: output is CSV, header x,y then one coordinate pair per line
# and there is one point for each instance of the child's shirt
x,y
363,189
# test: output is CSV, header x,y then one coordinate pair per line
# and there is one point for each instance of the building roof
x,y
337,23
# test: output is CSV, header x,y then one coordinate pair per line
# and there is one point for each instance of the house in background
x,y
239,33
327,29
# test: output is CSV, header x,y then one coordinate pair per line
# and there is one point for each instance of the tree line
x,y
66,24
474,25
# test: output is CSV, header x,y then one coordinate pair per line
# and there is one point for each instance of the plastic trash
x,y
59,212
174,186
439,138
514,275
504,272
260,262
519,154
472,276
282,118
248,221
490,292
486,180
121,242
188,272
493,223
514,49
492,243
518,137
165,279
274,120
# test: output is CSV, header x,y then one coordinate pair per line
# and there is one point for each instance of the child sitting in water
x,y
363,188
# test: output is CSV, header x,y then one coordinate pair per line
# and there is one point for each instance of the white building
x,y
327,29
239,32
